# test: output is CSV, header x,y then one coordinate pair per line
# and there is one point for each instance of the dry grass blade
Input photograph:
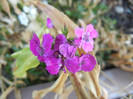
x,y
123,89
105,94
5,93
6,7
17,93
7,81
66,92
92,79
58,18
57,87
110,87
78,86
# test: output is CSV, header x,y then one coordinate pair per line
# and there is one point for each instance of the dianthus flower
x,y
62,54
85,38
41,51
49,23
75,63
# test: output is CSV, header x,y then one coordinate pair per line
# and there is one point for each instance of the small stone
x,y
26,9
23,19
119,9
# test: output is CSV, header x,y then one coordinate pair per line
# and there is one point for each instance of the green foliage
x,y
94,21
65,31
40,20
101,6
25,60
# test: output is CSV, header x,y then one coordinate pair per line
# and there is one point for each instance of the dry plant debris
x,y
111,41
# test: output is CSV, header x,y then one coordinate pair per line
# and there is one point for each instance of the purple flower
x,y
87,62
70,60
62,55
41,51
85,38
49,23
67,50
72,64
60,39
56,59
53,65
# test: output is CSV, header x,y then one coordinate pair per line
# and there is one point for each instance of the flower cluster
x,y
60,53
85,38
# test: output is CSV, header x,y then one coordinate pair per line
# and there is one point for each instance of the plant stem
x,y
78,87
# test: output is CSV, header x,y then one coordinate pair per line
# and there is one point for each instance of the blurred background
x,y
113,19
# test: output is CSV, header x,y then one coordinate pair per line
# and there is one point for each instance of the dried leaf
x,y
92,79
17,93
6,7
14,5
58,18
57,87
66,92
105,94
78,86
5,93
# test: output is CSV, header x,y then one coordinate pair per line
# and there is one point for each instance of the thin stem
x,y
78,87
2,84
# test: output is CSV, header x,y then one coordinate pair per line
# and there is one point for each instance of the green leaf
x,y
25,60
65,31
16,54
103,6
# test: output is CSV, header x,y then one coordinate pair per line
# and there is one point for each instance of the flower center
x,y
86,37
57,54
82,63
40,51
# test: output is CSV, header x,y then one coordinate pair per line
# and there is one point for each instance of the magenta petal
x,y
79,32
94,33
49,23
67,50
71,51
72,64
89,28
41,58
47,42
35,45
87,62
77,42
64,49
53,65
87,47
60,39
36,39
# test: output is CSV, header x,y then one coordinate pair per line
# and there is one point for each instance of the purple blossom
x,y
85,38
62,55
67,50
53,65
49,23
87,62
41,51
56,59
72,64
60,39
70,60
